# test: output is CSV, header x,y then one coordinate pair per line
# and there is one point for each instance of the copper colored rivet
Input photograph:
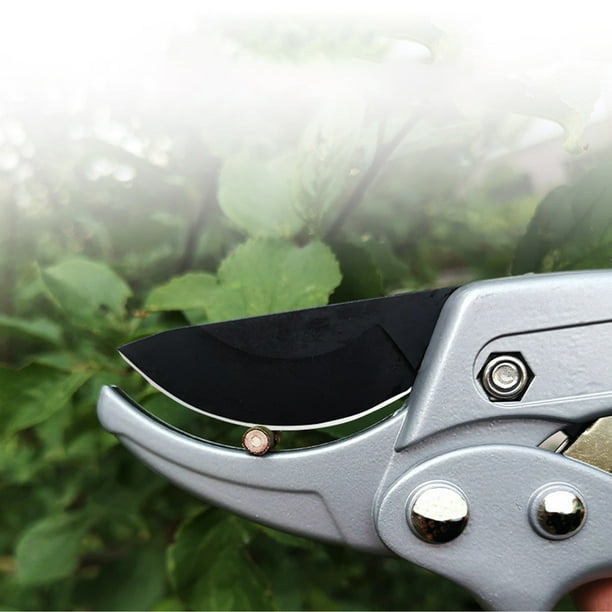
x,y
259,440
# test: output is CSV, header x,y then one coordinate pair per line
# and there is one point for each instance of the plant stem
x,y
382,155
208,200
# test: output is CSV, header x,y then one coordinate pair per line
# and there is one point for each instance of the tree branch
x,y
209,198
382,155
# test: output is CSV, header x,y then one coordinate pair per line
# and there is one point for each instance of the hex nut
x,y
505,377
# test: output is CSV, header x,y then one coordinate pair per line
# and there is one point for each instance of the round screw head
x,y
259,440
558,512
505,377
438,513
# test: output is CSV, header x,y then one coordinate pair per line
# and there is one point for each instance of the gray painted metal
x,y
560,323
324,492
355,491
499,556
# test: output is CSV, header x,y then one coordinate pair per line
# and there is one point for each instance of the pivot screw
x,y
505,377
557,512
259,440
438,513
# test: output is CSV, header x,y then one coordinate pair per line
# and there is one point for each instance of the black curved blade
x,y
294,370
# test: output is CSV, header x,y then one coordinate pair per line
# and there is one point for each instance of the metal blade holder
x,y
466,480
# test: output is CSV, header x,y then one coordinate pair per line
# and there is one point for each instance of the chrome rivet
x,y
505,377
557,512
438,513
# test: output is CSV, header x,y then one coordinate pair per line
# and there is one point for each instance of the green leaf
x,y
286,539
115,499
39,328
48,550
566,96
259,195
86,290
548,228
572,227
59,359
392,269
360,277
168,604
443,44
210,566
33,394
18,463
134,582
181,293
263,276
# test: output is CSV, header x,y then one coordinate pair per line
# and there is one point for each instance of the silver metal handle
x,y
461,437
505,555
324,492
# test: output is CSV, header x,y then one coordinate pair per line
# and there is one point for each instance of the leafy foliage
x,y
571,228
48,550
258,195
186,292
272,276
212,586
154,218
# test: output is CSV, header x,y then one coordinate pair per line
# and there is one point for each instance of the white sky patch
x,y
66,51
75,37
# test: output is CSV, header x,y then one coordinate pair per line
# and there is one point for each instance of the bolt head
x,y
438,513
557,512
505,377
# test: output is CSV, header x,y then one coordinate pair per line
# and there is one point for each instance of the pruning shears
x,y
496,471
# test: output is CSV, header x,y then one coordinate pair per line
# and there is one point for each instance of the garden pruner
x,y
496,470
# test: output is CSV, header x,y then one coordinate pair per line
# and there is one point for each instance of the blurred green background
x,y
233,166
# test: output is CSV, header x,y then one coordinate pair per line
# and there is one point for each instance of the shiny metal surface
x,y
438,513
505,377
556,443
557,512
594,445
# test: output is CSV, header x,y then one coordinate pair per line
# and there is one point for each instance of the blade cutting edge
x,y
295,370
271,426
